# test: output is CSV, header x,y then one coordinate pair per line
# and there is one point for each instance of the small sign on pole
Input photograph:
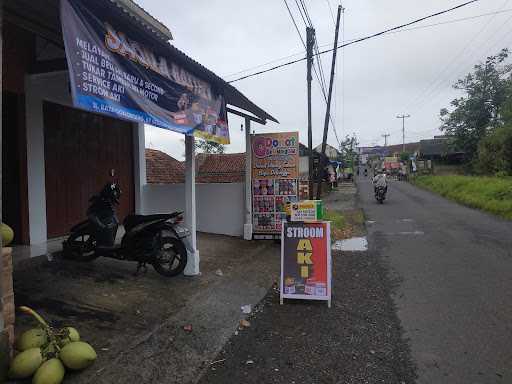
x,y
306,268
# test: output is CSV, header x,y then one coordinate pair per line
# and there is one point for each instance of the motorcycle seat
x,y
133,220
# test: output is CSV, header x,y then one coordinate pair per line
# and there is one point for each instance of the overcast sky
x,y
408,72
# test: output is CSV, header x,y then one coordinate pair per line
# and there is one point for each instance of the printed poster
x,y
275,155
117,71
306,261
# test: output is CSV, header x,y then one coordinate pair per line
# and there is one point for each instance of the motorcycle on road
x,y
158,240
380,194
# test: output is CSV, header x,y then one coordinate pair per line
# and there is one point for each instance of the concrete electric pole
x,y
385,136
329,96
403,117
310,36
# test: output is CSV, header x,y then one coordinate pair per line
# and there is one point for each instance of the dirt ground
x,y
136,323
358,340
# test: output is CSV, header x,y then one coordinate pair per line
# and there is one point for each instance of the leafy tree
x,y
495,152
348,150
476,113
206,146
404,156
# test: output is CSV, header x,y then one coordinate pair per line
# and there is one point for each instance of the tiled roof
x,y
220,168
210,168
163,169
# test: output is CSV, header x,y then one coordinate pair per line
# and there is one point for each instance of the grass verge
x,y
346,224
490,194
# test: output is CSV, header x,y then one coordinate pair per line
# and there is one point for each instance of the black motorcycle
x,y
380,194
153,239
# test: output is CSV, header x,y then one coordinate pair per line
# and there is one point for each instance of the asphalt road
x,y
454,298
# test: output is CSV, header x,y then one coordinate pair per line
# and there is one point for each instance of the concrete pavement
x,y
454,268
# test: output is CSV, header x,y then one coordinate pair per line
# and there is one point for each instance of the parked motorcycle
x,y
158,240
380,194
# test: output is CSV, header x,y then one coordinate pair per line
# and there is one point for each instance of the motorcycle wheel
x,y
80,246
171,258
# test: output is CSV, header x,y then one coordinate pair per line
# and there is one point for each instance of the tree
x,y
476,113
495,152
348,150
205,146
404,156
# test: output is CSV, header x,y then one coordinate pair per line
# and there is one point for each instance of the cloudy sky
x,y
407,72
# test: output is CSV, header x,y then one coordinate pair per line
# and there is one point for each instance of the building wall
x,y
54,87
220,207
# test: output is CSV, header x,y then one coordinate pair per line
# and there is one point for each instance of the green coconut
x,y
33,338
25,364
71,335
7,234
51,372
77,355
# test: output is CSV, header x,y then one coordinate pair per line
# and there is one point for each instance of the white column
x,y
139,165
192,268
35,162
248,182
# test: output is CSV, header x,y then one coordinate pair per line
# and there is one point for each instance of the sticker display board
x,y
275,169
306,261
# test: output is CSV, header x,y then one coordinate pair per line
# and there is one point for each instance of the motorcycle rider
x,y
380,181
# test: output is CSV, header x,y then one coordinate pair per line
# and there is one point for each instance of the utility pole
x,y
385,136
329,96
310,35
403,117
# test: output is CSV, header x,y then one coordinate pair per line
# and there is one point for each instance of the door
x,y
80,150
14,180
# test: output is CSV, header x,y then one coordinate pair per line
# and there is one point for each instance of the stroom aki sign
x,y
117,71
306,261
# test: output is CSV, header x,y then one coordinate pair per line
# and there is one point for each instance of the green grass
x,y
336,218
490,194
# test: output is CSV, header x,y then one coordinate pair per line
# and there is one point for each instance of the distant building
x,y
440,148
331,152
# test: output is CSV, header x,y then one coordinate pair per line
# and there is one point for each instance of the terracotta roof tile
x,y
163,169
210,168
220,168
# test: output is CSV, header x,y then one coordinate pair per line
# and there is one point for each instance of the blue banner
x,y
117,71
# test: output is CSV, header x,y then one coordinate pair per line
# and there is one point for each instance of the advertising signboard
x,y
307,210
117,71
275,171
306,261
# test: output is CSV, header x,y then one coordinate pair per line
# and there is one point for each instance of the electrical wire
x,y
322,84
398,31
355,41
330,10
439,80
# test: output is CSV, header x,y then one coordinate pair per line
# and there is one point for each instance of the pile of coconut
x,y
45,352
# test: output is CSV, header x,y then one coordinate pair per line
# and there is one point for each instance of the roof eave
x,y
144,18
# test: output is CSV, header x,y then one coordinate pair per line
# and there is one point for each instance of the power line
x,y
306,13
300,11
330,10
358,40
322,85
394,32
437,90
294,23
439,79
